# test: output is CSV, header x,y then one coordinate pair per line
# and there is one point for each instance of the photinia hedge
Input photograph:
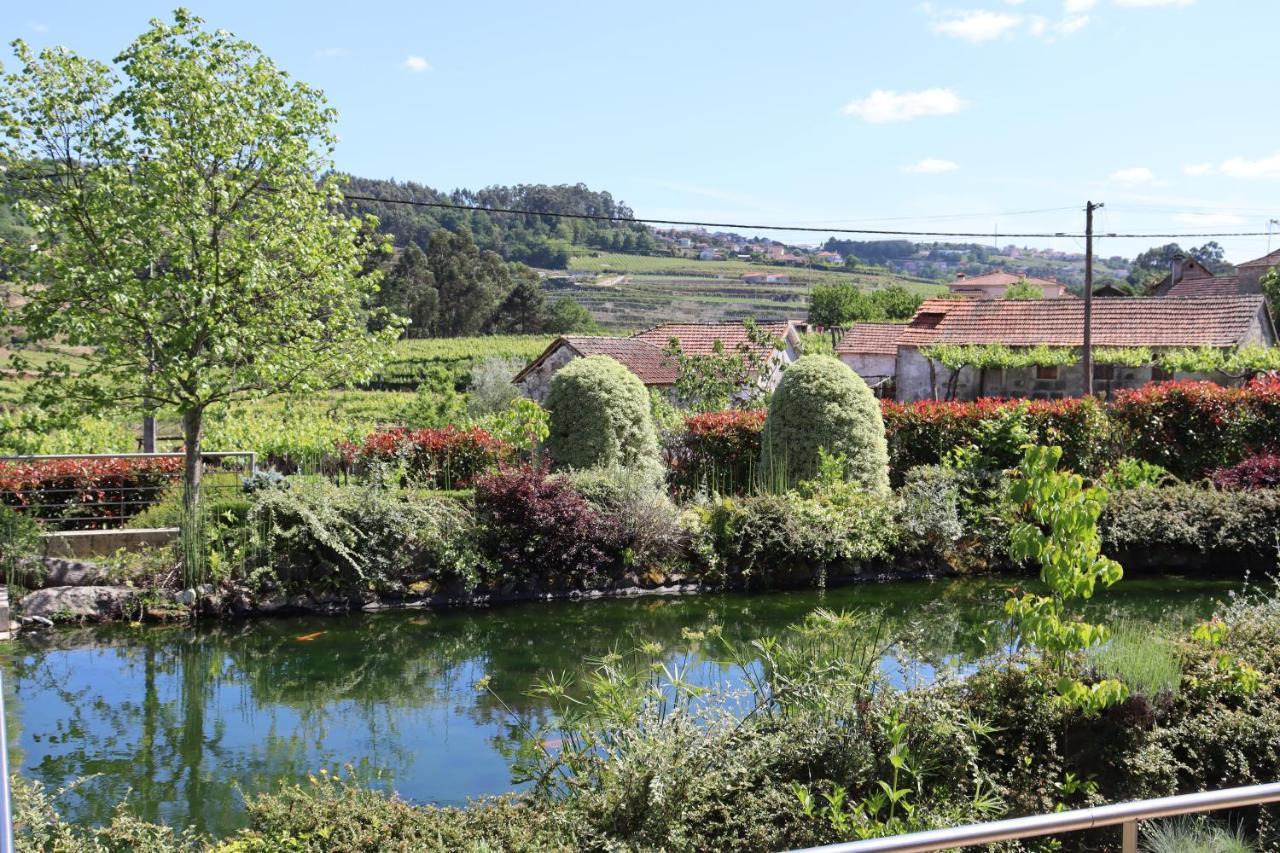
x,y
86,494
445,458
718,450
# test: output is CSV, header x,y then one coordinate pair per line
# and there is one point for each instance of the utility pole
x,y
1086,360
1270,222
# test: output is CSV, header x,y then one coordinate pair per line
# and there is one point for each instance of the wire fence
x,y
105,491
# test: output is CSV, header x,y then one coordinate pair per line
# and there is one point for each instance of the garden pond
x,y
183,721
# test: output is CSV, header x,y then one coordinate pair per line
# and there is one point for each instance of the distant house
x,y
707,254
644,353
833,258
1189,277
1159,323
871,350
766,278
995,285
775,252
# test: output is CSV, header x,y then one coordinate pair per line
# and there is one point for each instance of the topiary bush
x,y
821,404
600,417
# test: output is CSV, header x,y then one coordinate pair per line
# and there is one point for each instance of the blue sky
x,y
871,113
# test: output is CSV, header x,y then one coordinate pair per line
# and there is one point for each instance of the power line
x,y
599,217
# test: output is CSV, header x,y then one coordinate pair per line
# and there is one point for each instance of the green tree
x,y
185,231
1023,289
409,290
600,417
471,283
524,310
1271,287
567,316
822,406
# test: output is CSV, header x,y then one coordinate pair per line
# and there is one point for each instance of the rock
x,y
78,603
37,620
59,572
272,604
186,598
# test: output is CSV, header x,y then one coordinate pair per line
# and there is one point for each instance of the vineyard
x,y
414,359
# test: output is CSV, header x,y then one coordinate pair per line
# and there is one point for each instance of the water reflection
x,y
181,721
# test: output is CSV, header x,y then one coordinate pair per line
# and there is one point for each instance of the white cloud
x,y
1196,170
931,166
885,105
417,64
1014,2
1205,220
1134,175
1267,168
1037,26
1145,3
1072,24
1075,7
976,25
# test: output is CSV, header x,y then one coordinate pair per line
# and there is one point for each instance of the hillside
x,y
627,292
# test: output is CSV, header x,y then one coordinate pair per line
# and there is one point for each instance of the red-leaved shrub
x,y
445,458
1191,428
542,532
719,450
922,433
1256,472
86,494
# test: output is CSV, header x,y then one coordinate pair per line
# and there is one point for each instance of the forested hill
x,y
540,241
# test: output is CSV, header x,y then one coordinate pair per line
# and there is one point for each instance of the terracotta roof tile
x,y
640,357
1226,284
700,338
1118,321
1266,261
871,339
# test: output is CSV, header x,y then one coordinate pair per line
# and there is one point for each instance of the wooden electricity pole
x,y
1086,359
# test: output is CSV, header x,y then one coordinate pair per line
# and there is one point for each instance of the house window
x,y
1047,371
1159,374
1104,372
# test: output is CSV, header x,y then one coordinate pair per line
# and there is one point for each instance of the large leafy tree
x,y
184,229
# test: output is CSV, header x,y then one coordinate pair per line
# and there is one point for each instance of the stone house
x,y
644,353
871,350
1189,277
1158,323
995,285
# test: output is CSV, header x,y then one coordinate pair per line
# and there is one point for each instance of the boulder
x,y
77,603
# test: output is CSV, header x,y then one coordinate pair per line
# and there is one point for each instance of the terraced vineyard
x,y
630,292
413,359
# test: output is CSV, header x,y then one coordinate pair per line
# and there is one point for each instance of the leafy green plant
x,y
599,417
19,539
822,405
1058,529
709,382
1130,473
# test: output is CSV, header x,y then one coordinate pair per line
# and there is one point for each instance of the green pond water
x,y
182,720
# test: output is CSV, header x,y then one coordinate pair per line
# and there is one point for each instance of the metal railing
x,y
85,506
1126,815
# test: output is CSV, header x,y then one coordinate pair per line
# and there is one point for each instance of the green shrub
x,y
358,539
641,515
1175,524
19,539
785,540
490,388
599,417
821,404
929,513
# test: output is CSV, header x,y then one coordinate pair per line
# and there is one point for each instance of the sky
x,y
845,113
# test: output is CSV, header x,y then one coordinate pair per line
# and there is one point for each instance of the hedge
x,y
444,458
86,494
718,450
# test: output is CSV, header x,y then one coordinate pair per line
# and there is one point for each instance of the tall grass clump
x,y
1150,665
1194,835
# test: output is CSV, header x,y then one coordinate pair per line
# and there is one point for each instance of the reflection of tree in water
x,y
179,738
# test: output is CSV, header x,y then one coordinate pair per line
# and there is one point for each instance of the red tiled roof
x,y
1217,321
871,339
641,358
1266,261
700,338
1226,284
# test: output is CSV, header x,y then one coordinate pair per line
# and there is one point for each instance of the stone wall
x,y
537,382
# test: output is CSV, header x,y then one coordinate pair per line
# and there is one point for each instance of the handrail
x,y
1126,814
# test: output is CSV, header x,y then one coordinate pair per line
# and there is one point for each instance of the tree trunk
x,y
148,432
192,422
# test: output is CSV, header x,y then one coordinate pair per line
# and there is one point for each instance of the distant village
x,y
933,261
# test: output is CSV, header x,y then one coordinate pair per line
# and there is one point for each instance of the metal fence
x,y
1126,815
104,491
